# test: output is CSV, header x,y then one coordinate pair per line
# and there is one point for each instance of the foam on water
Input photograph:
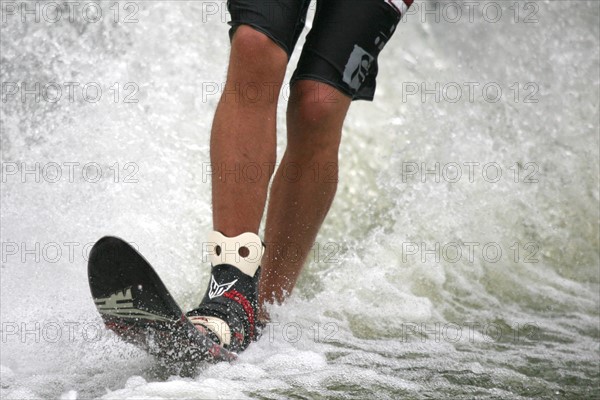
x,y
374,314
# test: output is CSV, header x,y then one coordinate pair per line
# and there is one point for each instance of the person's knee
x,y
316,113
254,53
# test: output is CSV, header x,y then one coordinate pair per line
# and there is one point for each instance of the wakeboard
x,y
135,304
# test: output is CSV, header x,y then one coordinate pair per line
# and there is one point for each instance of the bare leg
x,y
304,185
243,137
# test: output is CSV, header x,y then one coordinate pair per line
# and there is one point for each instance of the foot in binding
x,y
228,311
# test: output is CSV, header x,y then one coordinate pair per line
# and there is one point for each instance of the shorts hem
x,y
344,90
235,25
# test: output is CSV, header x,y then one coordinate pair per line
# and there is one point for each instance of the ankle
x,y
228,311
244,251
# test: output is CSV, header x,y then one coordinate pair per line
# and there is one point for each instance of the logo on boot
x,y
216,289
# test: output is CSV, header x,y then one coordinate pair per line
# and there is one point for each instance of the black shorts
x,y
342,47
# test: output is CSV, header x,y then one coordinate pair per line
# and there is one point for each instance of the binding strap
x,y
215,325
226,250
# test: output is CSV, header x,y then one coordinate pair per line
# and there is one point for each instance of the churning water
x,y
459,260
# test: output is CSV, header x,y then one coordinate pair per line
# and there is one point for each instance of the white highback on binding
x,y
225,250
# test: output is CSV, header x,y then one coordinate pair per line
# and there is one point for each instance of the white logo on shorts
x,y
357,67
